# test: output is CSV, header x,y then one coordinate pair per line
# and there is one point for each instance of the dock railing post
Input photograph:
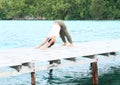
x,y
94,73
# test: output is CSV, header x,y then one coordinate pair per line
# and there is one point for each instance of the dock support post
x,y
33,74
94,73
32,78
51,70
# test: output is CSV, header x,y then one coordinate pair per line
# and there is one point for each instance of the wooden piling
x,y
33,78
94,73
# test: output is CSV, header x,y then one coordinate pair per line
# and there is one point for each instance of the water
x,y
31,33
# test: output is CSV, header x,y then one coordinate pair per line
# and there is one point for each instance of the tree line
x,y
60,9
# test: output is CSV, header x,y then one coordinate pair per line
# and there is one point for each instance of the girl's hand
x,y
37,47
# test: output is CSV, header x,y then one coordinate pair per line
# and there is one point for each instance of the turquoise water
x,y
31,33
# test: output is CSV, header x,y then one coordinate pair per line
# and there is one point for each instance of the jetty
x,y
23,60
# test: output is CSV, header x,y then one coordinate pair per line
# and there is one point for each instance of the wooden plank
x,y
113,53
55,65
33,68
104,54
15,72
5,62
22,55
82,49
26,69
71,59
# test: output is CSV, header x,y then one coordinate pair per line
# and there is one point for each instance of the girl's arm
x,y
43,43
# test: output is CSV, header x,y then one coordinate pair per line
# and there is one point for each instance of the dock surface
x,y
85,52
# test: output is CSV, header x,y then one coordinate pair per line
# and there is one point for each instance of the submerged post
x,y
94,73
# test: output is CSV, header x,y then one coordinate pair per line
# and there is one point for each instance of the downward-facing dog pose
x,y
59,28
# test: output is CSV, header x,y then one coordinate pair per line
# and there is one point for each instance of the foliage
x,y
60,9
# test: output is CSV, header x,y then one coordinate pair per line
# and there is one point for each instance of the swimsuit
x,y
51,43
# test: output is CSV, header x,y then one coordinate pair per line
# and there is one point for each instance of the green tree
x,y
60,9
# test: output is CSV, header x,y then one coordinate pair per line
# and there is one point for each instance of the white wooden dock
x,y
24,59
